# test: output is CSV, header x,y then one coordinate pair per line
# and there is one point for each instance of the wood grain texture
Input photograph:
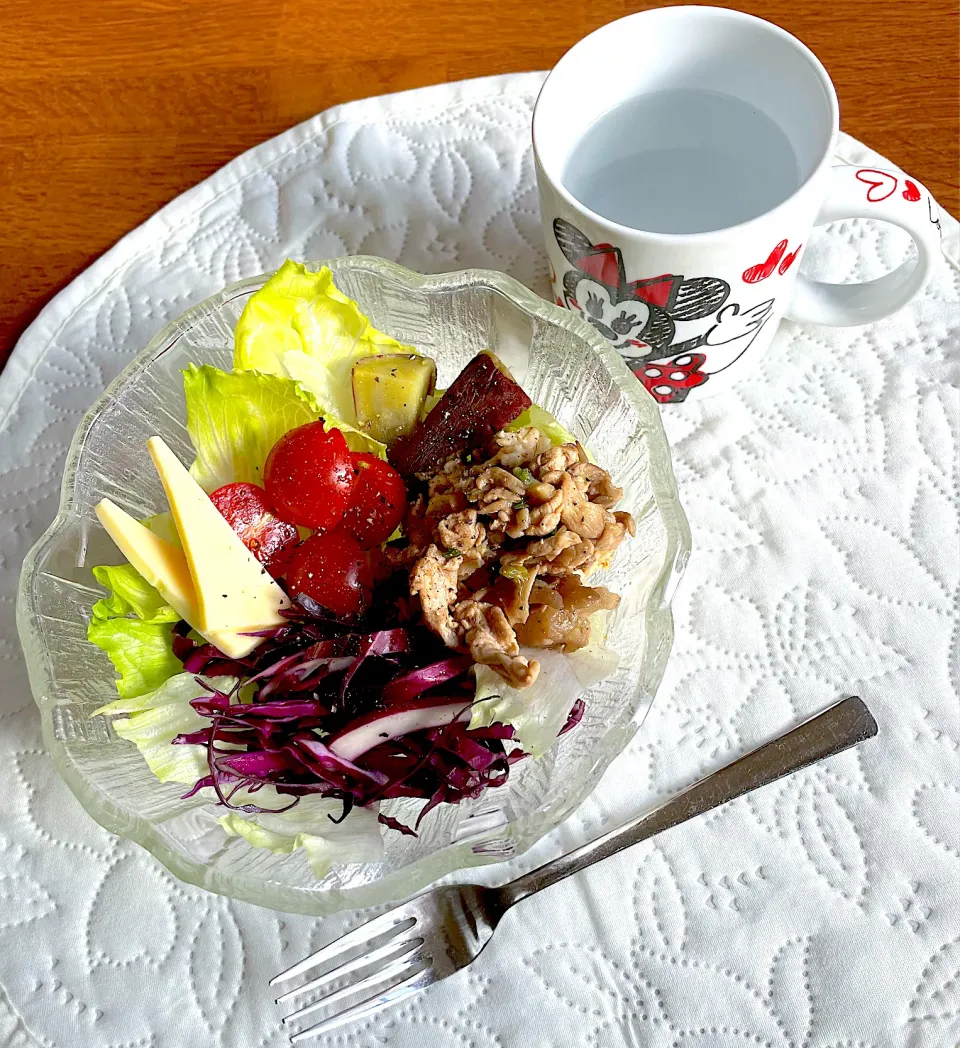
x,y
110,108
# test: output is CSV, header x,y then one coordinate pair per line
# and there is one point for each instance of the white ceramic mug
x,y
692,312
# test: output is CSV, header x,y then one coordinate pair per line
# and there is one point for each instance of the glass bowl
x,y
565,366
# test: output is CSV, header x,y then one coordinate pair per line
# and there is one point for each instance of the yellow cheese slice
x,y
158,561
165,568
231,643
235,592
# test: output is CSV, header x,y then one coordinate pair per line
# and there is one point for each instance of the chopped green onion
x,y
524,474
516,572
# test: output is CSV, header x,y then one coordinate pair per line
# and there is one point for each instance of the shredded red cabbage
x,y
409,685
574,717
353,710
395,824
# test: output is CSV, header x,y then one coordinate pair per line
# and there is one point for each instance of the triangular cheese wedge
x,y
165,568
158,561
235,592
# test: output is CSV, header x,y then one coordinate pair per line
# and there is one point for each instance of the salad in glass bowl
x,y
362,601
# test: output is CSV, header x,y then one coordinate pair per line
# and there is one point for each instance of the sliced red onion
x,y
366,732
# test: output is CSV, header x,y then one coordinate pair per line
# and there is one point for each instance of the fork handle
x,y
837,728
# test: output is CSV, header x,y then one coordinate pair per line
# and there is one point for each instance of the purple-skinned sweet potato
x,y
482,400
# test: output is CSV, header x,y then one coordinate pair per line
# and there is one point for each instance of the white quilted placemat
x,y
823,499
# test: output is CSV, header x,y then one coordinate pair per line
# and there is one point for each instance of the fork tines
x,y
370,1006
395,968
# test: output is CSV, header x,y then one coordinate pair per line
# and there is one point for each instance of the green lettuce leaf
x,y
299,325
325,843
141,652
158,716
235,418
433,399
131,594
164,526
545,422
140,647
539,712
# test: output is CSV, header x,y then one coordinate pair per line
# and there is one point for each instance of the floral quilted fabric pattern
x,y
824,499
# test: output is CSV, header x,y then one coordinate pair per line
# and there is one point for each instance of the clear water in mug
x,y
683,160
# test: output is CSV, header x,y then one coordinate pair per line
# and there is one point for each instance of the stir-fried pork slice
x,y
499,548
492,642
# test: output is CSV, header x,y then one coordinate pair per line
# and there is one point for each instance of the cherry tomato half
x,y
378,503
333,569
246,509
309,476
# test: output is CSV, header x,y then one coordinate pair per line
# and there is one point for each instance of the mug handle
x,y
888,196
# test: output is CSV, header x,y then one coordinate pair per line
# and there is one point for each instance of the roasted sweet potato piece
x,y
482,400
389,392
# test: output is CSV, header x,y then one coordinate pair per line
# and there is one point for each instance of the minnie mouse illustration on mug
x,y
672,331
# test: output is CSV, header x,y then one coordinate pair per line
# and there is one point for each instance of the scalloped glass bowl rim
x,y
416,876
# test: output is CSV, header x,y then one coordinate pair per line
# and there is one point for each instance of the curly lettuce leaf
x,y
141,652
235,418
545,422
131,594
299,325
158,716
325,843
539,712
164,526
134,626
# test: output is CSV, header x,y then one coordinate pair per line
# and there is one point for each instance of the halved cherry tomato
x,y
333,569
309,476
246,509
378,503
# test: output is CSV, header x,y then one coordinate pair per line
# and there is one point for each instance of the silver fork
x,y
441,931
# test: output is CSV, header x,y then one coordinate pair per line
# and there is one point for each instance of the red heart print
x,y
911,193
788,260
881,183
762,270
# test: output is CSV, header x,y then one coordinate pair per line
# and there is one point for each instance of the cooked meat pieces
x,y
519,448
494,490
613,533
444,489
540,518
542,488
463,539
460,549
498,549
551,465
491,641
578,513
434,579
547,550
600,489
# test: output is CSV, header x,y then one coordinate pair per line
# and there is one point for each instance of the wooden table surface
x,y
110,108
